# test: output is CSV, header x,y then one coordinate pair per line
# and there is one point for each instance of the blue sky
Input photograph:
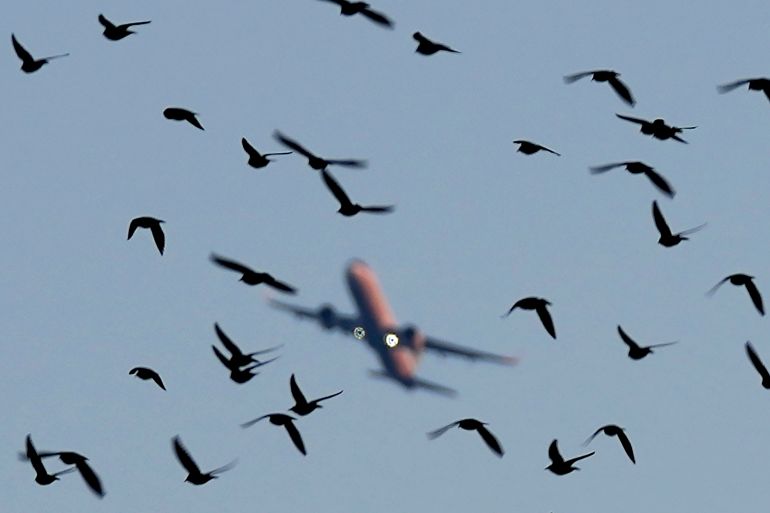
x,y
477,226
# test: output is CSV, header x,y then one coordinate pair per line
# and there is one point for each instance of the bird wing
x,y
606,167
229,344
156,379
90,477
662,345
622,90
715,287
134,23
335,189
553,453
184,457
230,264
626,443
590,438
158,236
34,458
327,397
378,209
296,393
251,150
295,436
726,88
224,468
23,54
190,117
756,298
420,38
693,230
356,163
133,225
276,284
548,150
578,458
755,361
254,421
440,431
222,358
490,440
377,17
568,79
105,22
545,318
660,221
628,340
294,145
660,183
633,120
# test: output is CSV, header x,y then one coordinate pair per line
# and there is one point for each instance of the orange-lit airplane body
x,y
398,347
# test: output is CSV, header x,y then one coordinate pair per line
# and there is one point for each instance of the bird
x,y
635,168
238,358
758,365
42,477
180,114
540,306
472,425
301,405
635,351
347,207
427,47
658,128
116,32
528,148
153,225
145,374
755,84
256,159
314,161
194,474
559,465
745,280
605,75
350,8
613,430
251,277
287,421
668,239
28,63
82,466
237,374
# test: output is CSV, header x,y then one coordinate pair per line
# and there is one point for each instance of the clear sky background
x,y
477,226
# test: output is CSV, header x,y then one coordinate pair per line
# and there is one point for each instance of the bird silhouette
x,y
658,128
256,159
314,161
145,374
668,239
180,114
238,373
605,75
116,32
635,351
427,47
287,421
28,63
238,358
540,306
251,277
301,405
755,84
472,425
559,465
153,225
194,474
528,148
619,432
362,8
635,168
347,207
42,477
758,365
82,466
745,280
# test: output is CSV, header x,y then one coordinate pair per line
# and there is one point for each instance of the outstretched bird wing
x,y
660,182
348,163
626,443
158,236
726,88
276,284
254,421
222,358
756,298
377,17
230,264
553,453
90,477
490,440
229,344
156,379
295,436
133,225
755,361
578,458
134,23
440,431
633,120
251,150
296,393
606,167
105,22
548,150
327,397
660,221
629,342
291,143
378,209
590,438
545,318
23,54
715,287
568,79
184,457
34,458
335,189
622,90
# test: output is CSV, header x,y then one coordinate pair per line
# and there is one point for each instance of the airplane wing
x,y
325,315
447,348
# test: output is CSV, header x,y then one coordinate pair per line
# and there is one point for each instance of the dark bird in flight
x,y
635,168
28,63
668,239
559,465
757,363
635,351
145,374
238,374
350,8
755,84
745,280
428,47
251,277
180,114
42,476
153,225
347,207
82,466
314,161
540,306
194,474
658,128
256,159
528,148
116,32
613,430
605,75
287,421
472,425
237,357
301,405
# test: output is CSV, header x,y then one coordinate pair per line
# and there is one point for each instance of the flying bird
x,y
28,63
745,280
238,373
755,84
613,430
635,351
287,421
559,465
540,306
347,207
194,474
116,32
42,477
301,405
427,47
635,168
145,374
757,363
668,239
256,159
82,466
180,114
528,148
153,225
314,161
350,8
472,425
251,277
658,128
605,75
238,358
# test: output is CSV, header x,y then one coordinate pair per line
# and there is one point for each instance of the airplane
x,y
398,347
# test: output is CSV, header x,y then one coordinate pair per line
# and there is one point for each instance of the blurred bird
x,y
668,239
540,306
251,277
658,128
347,207
28,63
42,476
528,148
116,32
153,225
180,114
287,421
635,351
256,159
758,365
194,475
428,47
238,374
609,76
745,280
635,168
301,405
145,374
238,358
613,430
755,84
350,8
80,462
314,161
559,465
472,425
